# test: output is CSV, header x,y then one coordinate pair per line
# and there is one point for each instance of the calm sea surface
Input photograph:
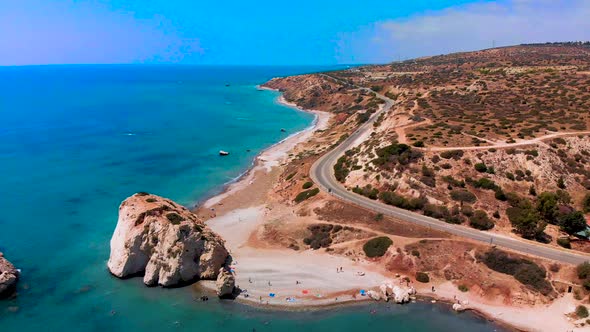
x,y
77,140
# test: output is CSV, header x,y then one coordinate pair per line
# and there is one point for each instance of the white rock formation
x,y
374,295
8,277
396,293
165,241
458,307
402,294
225,284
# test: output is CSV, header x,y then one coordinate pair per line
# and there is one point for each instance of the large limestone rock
x,y
165,241
225,284
8,277
402,294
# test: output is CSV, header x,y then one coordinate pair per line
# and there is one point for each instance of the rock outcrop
x,y
165,242
225,284
8,277
395,293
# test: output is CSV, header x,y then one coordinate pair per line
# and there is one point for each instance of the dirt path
x,y
533,141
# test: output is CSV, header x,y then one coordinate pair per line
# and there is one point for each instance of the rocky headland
x,y
8,277
165,242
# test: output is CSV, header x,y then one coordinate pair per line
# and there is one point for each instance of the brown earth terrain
x,y
495,139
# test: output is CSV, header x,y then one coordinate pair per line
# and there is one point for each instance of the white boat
x,y
223,153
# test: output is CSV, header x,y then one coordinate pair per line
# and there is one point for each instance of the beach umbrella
x,y
363,292
271,294
305,291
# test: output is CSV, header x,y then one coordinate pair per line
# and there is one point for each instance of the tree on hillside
x,y
547,206
573,222
526,222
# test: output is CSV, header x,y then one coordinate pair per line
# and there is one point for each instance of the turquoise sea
x,y
77,140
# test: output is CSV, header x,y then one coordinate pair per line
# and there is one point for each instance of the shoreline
x,y
278,152
235,184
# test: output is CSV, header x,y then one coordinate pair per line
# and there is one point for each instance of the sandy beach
x,y
275,276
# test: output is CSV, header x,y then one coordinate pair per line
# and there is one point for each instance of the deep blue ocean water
x,y
77,140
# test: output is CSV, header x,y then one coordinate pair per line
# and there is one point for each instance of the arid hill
x,y
495,139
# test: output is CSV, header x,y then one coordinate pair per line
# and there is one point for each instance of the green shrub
x,y
306,194
463,195
142,193
581,311
572,222
452,181
415,253
422,277
174,218
436,211
564,242
481,167
454,154
396,153
151,200
485,183
377,247
367,191
396,200
307,185
379,217
418,144
320,235
481,221
496,214
583,270
290,176
523,270
463,288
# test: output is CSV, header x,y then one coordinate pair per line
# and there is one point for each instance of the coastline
x,y
250,219
279,149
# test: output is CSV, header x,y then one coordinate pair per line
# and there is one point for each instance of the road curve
x,y
322,173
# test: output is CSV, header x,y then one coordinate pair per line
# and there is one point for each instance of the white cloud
x,y
473,27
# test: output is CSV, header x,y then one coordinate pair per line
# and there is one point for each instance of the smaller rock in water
x,y
8,277
225,284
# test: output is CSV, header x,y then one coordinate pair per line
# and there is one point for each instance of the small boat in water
x,y
223,153
283,130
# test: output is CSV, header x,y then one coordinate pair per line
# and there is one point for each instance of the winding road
x,y
322,173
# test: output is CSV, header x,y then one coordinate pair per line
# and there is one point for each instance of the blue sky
x,y
274,32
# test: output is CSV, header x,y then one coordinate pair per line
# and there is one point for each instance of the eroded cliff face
x,y
165,242
8,277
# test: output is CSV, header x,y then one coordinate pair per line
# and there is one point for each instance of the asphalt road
x,y
322,173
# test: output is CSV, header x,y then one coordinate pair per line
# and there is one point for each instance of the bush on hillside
x,y
582,311
523,270
377,247
422,277
307,185
481,221
463,195
583,270
306,194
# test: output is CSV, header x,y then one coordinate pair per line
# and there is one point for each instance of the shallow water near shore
x,y
77,140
